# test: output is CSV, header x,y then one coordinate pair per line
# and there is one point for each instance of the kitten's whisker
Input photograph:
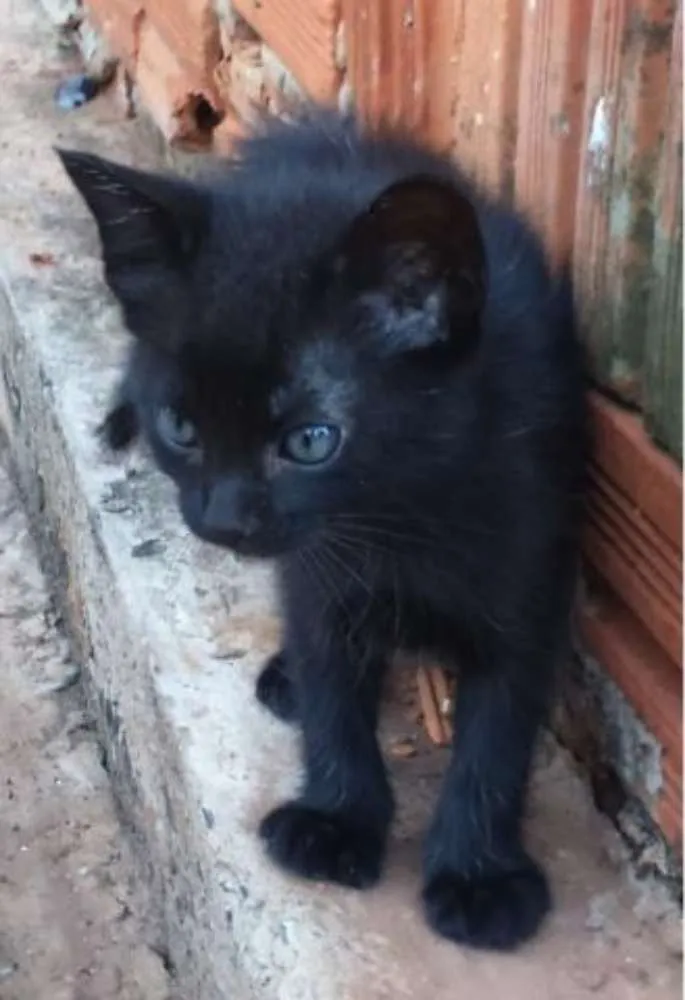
x,y
313,571
423,540
323,639
355,622
345,566
317,557
433,531
356,544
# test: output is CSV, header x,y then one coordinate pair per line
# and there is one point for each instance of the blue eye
x,y
177,432
311,444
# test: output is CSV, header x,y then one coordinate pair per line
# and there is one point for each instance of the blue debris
x,y
76,91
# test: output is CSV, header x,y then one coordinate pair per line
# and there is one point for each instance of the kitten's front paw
x,y
322,846
498,911
275,690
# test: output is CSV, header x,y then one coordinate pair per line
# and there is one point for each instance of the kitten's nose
x,y
230,510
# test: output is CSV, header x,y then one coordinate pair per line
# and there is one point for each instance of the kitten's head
x,y
292,329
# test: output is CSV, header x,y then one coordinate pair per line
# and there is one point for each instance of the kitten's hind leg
x,y
482,889
275,690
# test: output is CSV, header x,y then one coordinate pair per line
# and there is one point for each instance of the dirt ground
x,y
72,919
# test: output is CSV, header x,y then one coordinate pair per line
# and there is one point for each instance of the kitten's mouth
x,y
257,549
261,546
262,542
252,548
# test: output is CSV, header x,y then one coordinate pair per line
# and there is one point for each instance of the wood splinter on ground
x,y
436,700
404,749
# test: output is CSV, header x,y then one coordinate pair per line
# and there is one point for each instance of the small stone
x,y
42,258
72,675
32,628
635,973
599,912
116,499
148,548
598,981
227,652
65,14
590,978
403,749
7,969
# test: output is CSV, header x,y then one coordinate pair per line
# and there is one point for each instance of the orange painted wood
x,y
400,60
624,119
227,133
446,69
191,30
649,479
633,535
303,33
652,685
633,540
596,151
618,516
630,582
664,353
485,77
168,88
171,50
555,38
119,21
669,809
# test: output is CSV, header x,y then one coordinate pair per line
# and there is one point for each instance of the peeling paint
x,y
599,144
559,124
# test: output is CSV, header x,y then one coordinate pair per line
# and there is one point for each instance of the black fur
x,y
361,286
275,690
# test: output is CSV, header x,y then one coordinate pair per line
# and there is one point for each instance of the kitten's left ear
x,y
416,255
150,227
137,213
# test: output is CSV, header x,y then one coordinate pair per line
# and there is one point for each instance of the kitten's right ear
x,y
150,227
416,256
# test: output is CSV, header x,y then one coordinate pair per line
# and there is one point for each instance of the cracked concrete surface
x,y
74,923
171,635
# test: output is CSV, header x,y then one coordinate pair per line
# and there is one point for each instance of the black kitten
x,y
351,361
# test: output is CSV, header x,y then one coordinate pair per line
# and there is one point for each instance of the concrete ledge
x,y
171,635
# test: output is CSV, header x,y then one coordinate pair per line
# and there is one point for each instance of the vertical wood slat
x,y
447,70
628,65
664,333
303,33
398,54
484,85
555,37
